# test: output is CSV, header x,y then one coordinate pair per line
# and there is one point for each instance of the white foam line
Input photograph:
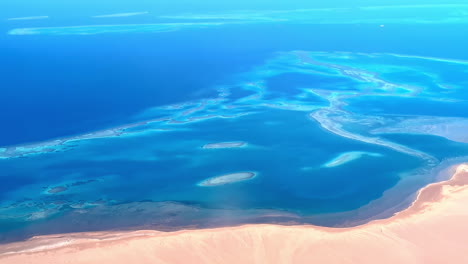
x,y
28,18
99,29
122,14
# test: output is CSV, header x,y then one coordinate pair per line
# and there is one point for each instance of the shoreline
x,y
430,230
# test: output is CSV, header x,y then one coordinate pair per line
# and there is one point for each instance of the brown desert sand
x,y
434,229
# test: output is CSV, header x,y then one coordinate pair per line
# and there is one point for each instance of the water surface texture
x,y
129,118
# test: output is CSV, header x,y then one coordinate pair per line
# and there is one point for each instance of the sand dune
x,y
432,230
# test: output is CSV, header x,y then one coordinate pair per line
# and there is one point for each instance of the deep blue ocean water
x,y
116,76
62,86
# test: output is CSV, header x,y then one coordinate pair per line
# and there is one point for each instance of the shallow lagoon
x,y
408,106
146,175
167,166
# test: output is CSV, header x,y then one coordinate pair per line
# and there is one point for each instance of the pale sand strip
x,y
220,145
227,179
433,230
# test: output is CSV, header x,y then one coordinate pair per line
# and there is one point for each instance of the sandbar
x,y
348,157
28,18
57,189
122,14
432,230
233,144
111,28
227,179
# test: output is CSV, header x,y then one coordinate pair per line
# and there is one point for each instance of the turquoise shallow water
x,y
166,166
112,131
406,106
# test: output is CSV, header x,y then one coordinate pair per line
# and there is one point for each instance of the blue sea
x,y
344,111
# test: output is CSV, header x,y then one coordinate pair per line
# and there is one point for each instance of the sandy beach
x,y
432,230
